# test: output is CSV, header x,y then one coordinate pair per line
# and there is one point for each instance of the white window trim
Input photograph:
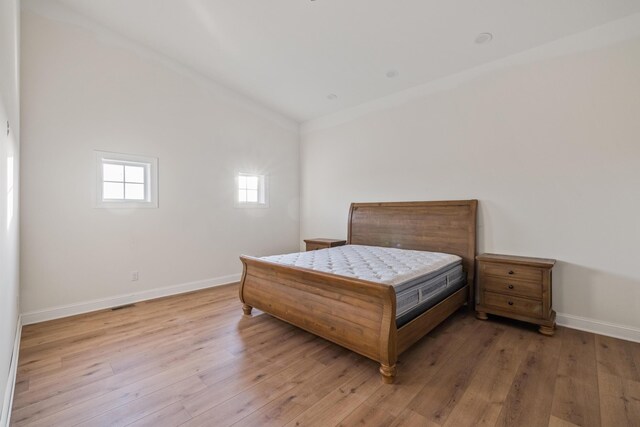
x,y
151,200
263,188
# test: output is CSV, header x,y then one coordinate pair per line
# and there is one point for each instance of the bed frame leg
x,y
388,373
246,309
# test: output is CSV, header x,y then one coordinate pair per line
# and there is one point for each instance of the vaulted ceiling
x,y
307,58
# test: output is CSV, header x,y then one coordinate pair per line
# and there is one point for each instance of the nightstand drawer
x,y
510,286
512,271
314,247
315,244
518,305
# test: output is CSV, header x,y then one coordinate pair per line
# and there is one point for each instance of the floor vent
x,y
123,306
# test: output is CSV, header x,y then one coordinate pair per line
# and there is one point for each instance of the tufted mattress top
x,y
396,267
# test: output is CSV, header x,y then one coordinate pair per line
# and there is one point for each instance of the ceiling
x,y
291,54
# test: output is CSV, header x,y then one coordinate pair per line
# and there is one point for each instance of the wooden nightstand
x,y
313,244
516,287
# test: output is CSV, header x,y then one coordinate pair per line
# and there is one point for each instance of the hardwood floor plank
x,y
147,310
219,391
38,366
211,327
295,401
531,394
147,405
618,381
81,375
409,418
335,406
194,359
558,422
366,415
246,402
577,380
79,407
618,357
172,415
81,389
134,324
481,403
437,399
22,386
176,346
619,400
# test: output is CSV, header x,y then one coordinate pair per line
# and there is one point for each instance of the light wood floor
x,y
195,360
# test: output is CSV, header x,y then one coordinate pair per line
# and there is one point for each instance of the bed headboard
x,y
444,226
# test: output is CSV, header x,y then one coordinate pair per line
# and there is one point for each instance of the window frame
x,y
263,191
150,185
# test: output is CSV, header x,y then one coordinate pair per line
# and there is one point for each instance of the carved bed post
x,y
246,308
388,373
388,337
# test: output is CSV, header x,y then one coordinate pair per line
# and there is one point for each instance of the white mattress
x,y
389,266
420,279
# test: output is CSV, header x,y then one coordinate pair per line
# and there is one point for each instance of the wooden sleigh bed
x,y
361,315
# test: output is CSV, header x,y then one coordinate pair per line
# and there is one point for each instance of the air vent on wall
x,y
123,306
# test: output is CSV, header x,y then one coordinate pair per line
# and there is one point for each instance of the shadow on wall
x,y
596,294
484,240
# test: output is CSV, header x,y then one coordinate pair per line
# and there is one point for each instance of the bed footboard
x,y
356,314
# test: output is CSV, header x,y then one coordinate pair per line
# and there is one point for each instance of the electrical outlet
x,y
134,276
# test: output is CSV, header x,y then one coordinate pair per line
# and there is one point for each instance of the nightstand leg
x,y
547,330
481,315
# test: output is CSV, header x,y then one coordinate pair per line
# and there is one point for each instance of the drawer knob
x,y
510,286
511,272
510,302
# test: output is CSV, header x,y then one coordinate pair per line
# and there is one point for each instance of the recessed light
x,y
332,97
484,38
392,74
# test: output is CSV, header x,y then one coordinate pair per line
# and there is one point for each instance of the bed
x,y
362,314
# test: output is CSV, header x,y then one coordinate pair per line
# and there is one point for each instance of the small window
x,y
126,181
251,191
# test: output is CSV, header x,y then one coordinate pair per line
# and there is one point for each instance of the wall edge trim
x,y
599,327
5,415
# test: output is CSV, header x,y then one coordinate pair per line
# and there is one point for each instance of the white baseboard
x,y
5,415
101,304
598,327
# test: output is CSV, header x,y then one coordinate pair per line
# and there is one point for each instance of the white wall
x,y
9,156
86,90
550,148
